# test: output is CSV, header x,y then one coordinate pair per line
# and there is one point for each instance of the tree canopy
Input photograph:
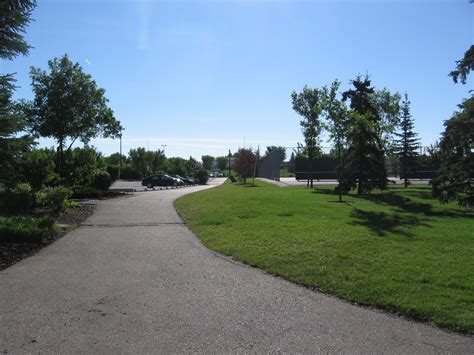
x,y
68,106
463,66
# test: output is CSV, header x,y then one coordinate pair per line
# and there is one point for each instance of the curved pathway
x,y
134,279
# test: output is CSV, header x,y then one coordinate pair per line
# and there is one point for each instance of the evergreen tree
x,y
14,17
363,160
363,163
455,178
407,145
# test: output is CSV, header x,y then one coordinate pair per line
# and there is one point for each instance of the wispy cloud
x,y
88,61
145,9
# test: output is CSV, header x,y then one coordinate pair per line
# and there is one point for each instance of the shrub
x,y
17,201
202,176
102,180
113,170
87,192
26,229
54,198
129,173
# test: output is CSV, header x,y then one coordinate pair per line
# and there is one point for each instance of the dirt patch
x,y
11,253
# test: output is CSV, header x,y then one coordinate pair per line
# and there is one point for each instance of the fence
x,y
269,166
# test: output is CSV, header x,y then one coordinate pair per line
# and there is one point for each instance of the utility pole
x,y
120,156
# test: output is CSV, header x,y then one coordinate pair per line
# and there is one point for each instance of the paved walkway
x,y
134,279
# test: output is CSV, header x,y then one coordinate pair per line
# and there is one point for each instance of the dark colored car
x,y
186,180
159,180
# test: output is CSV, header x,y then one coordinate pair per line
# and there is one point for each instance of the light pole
x,y
163,146
120,156
229,156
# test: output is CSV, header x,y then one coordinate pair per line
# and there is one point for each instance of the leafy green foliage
x,y
27,229
463,66
281,151
407,145
54,198
102,180
202,176
222,163
309,104
207,161
455,177
114,171
68,106
398,250
38,168
20,200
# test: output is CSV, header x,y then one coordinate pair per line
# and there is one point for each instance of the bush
x,y
27,229
129,173
87,192
54,198
202,176
113,171
102,180
17,201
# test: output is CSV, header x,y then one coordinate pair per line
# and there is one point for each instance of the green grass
x,y
21,229
399,250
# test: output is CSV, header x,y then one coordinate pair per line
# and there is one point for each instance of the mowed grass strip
x,y
399,250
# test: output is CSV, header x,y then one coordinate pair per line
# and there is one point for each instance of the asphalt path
x,y
134,279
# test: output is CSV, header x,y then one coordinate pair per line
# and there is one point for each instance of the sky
x,y
203,77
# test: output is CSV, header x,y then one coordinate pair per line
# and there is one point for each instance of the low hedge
x,y
21,229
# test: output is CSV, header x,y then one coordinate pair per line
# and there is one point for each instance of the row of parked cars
x,y
166,180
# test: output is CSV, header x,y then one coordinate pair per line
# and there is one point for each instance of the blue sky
x,y
199,76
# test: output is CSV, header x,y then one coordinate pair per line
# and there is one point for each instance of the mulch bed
x,y
11,253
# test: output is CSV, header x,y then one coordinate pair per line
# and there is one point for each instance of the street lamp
x,y
163,146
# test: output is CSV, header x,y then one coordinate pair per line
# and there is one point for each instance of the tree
x,y
68,106
281,151
15,16
338,116
407,144
12,146
455,178
463,66
38,168
364,163
222,162
244,164
309,104
138,160
207,161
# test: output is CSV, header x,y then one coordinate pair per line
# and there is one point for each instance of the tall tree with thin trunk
x,y
68,106
407,145
310,104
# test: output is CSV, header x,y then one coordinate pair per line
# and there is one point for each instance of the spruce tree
x,y
363,159
408,144
14,17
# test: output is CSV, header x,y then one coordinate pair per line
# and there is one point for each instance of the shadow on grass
x,y
404,204
381,222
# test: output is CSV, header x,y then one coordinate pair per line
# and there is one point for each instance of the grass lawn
x,y
399,250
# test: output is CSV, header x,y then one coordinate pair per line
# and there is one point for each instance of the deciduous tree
x,y
309,104
244,164
68,106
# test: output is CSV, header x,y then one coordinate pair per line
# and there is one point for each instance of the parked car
x,y
186,180
159,180
179,180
